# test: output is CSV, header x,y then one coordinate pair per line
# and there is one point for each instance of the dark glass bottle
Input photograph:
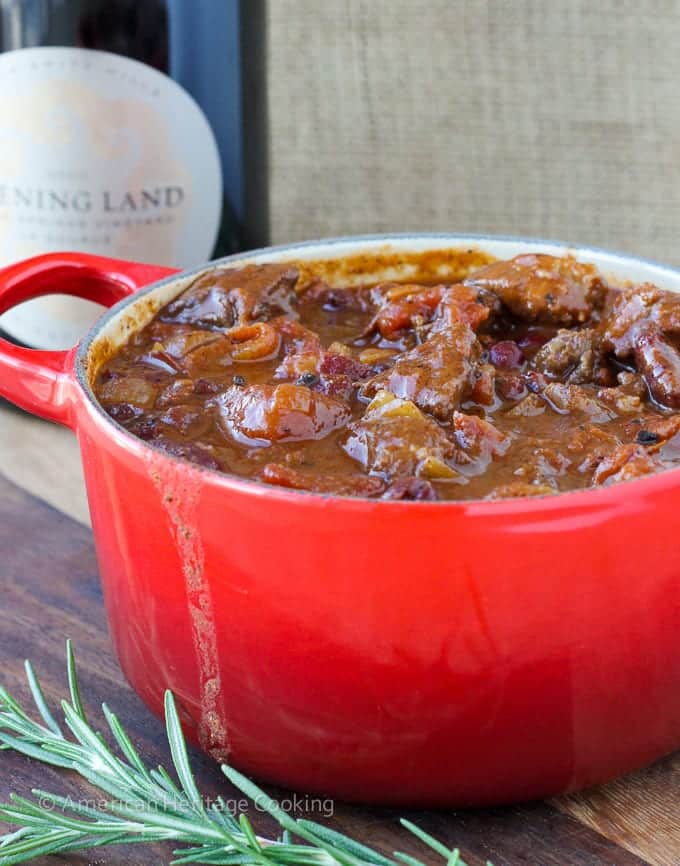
x,y
128,164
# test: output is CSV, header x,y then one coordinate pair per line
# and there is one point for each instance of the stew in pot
x,y
531,376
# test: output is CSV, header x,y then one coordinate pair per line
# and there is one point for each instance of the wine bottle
x,y
101,150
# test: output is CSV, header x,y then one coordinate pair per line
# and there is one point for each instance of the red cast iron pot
x,y
394,652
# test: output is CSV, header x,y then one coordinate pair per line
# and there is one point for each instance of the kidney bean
x,y
506,355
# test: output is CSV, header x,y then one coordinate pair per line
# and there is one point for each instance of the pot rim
x,y
592,497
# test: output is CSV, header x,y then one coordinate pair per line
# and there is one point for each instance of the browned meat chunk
x,y
623,401
337,484
212,353
589,446
626,309
566,399
625,463
436,376
235,296
195,351
262,414
478,442
659,364
394,438
465,305
571,355
402,306
544,288
178,391
528,407
131,390
591,437
301,350
190,422
628,395
666,313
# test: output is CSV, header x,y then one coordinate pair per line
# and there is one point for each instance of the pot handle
x,y
41,381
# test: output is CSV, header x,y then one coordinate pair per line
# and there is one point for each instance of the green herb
x,y
141,804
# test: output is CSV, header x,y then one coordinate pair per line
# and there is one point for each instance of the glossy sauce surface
x,y
528,377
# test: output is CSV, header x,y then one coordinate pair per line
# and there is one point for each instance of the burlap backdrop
x,y
557,120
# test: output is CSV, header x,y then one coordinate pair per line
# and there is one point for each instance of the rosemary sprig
x,y
143,804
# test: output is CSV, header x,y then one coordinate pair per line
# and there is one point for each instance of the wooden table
x,y
50,591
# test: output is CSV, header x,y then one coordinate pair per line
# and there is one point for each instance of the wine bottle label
x,y
102,154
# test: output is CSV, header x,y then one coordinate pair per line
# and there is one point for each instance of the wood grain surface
x,y
50,591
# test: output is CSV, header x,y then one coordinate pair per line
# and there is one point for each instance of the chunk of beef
x,y
589,445
666,313
226,297
436,376
334,483
567,399
528,407
394,438
659,364
213,354
623,400
175,393
592,441
192,351
302,350
402,306
574,356
179,341
629,308
467,305
190,421
624,463
541,288
197,351
132,390
478,442
262,414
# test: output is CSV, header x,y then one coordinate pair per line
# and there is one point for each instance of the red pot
x,y
395,652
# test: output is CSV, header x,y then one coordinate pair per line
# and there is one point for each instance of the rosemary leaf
x,y
143,804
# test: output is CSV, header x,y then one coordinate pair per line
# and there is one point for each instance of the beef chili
x,y
531,376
